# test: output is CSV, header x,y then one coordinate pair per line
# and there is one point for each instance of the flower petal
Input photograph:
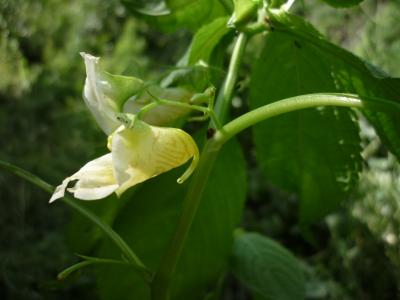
x,y
95,180
101,107
145,151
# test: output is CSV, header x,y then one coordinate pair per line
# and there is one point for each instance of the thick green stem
x,y
297,103
115,237
160,288
226,93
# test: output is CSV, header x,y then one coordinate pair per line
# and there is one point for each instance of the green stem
x,y
160,288
115,237
297,103
226,93
82,264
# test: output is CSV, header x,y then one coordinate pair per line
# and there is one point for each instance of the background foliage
x,y
46,129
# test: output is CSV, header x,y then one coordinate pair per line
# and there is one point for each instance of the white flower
x,y
137,154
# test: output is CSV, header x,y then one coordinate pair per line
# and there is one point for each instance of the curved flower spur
x,y
139,151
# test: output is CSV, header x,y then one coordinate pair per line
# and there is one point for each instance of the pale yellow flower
x,y
137,154
139,151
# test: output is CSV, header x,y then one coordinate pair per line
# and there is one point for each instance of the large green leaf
x,y
147,223
314,152
351,74
267,268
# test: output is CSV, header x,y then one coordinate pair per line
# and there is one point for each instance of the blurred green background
x,y
46,129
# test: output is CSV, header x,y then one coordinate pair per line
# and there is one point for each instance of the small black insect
x,y
210,133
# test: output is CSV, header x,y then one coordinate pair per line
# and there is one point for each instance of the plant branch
x,y
297,103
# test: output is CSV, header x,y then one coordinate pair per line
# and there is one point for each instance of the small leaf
x,y
267,268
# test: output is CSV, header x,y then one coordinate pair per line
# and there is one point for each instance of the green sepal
x,y
123,87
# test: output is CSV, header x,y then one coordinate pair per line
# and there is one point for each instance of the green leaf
x,y
148,221
267,268
195,69
342,3
351,74
313,152
205,40
192,14
171,15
